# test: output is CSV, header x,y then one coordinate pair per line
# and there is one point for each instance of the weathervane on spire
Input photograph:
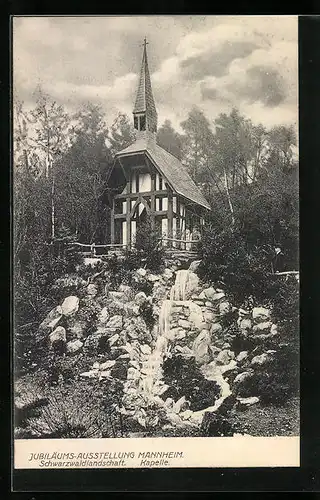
x,y
145,43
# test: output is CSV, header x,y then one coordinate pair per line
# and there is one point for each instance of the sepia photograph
x,y
155,235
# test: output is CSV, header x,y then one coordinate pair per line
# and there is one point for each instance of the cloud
x,y
214,62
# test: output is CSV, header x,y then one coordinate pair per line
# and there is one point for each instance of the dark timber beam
x,y
112,223
170,216
128,210
163,193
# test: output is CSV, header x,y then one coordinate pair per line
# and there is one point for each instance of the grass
x,y
269,420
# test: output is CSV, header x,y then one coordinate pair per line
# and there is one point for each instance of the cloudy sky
x,y
214,62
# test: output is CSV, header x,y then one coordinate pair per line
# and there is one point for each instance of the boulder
x,y
224,357
215,328
196,316
248,401
260,360
194,265
140,298
184,324
242,377
58,335
242,355
113,339
126,290
245,323
262,327
74,346
141,272
70,305
224,308
200,347
274,329
92,290
104,315
167,274
115,322
116,296
132,309
260,314
209,316
153,277
218,296
209,293
107,364
52,319
145,349
201,296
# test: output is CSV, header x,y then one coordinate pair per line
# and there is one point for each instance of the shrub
x,y
147,245
185,379
83,410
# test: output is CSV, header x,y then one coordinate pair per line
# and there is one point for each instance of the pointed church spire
x,y
144,111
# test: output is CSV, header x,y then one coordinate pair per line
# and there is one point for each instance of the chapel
x,y
147,181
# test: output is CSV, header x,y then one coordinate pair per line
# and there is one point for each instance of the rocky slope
x,y
130,335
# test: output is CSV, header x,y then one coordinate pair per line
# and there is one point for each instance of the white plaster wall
x,y
164,203
144,182
124,232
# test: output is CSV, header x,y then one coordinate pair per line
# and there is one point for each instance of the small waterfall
x,y
179,289
164,317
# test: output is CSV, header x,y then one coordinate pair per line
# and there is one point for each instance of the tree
x,y
198,143
121,134
81,184
51,123
169,139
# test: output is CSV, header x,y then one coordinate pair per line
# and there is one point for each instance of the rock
x,y
218,296
245,324
200,347
74,346
116,296
209,316
260,314
249,401
243,312
215,328
184,324
224,308
201,296
242,377
126,290
194,265
192,283
261,327
229,367
180,405
90,374
115,322
140,298
224,357
107,364
132,309
113,339
58,335
145,349
153,277
52,319
180,334
186,415
196,316
141,272
167,274
92,290
208,304
104,315
274,329
209,293
242,355
70,305
260,360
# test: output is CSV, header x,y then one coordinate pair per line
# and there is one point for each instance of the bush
x,y
86,409
147,245
185,379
